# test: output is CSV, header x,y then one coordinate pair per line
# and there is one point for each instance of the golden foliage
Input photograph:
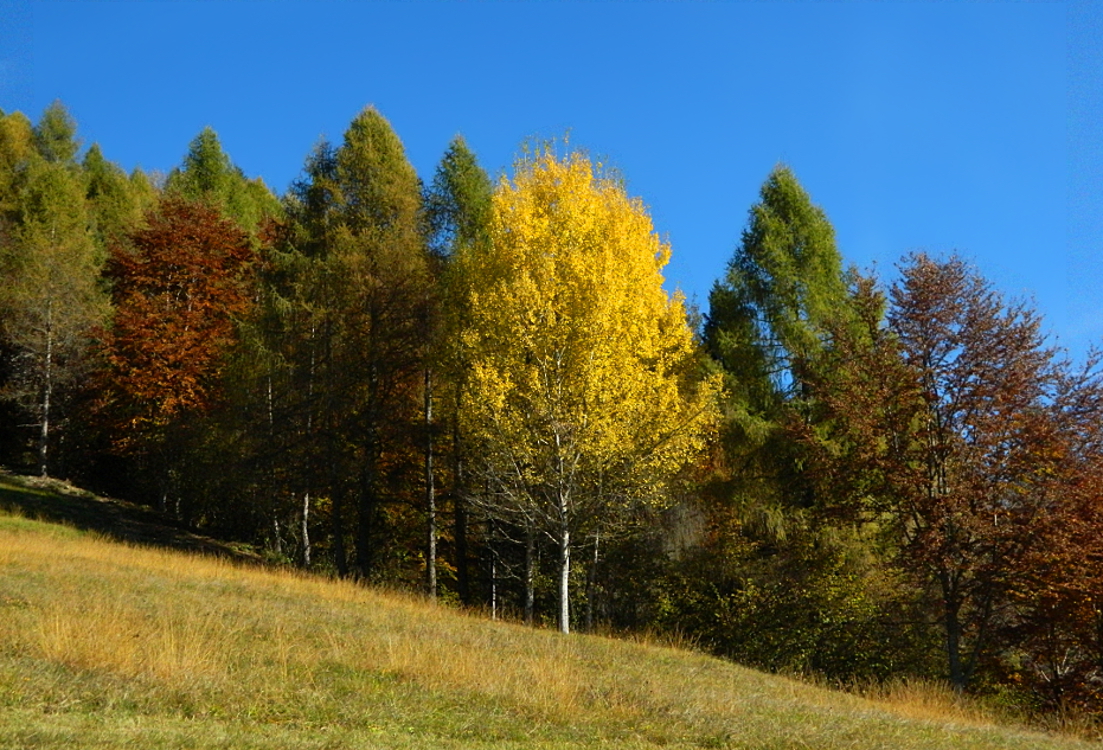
x,y
583,372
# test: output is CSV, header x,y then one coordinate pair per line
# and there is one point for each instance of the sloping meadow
x,y
106,645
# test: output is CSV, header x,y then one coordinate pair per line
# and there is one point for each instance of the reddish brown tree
x,y
953,428
1056,638
179,286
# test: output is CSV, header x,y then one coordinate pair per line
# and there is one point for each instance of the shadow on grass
x,y
58,502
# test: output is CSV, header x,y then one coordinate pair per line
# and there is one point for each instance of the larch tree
x,y
790,575
583,394
55,135
356,292
207,173
766,326
457,209
50,297
117,202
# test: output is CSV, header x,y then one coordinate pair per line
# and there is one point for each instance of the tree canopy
x,y
582,387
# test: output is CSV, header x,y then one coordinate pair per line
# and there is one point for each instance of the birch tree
x,y
583,394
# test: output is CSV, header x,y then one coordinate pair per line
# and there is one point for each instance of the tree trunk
x,y
459,513
47,394
340,557
493,585
430,492
306,530
591,584
952,624
277,535
530,565
365,522
564,570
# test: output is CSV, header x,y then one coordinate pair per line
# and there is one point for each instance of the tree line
x,y
479,388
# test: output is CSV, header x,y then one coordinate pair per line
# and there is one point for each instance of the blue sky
x,y
916,126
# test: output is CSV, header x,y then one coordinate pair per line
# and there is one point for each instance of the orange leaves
x,y
178,290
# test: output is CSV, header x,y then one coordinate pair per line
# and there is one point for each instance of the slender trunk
x,y
530,565
591,584
459,512
365,522
493,586
277,536
368,503
306,530
340,558
564,568
47,394
430,492
463,569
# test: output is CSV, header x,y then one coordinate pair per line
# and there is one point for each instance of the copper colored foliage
x,y
178,287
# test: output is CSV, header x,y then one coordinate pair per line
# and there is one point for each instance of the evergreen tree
x,y
778,555
208,174
117,202
458,211
352,286
55,135
768,317
458,202
50,297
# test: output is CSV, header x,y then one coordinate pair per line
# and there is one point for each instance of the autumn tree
x,y
50,297
353,292
208,174
179,286
583,393
458,210
955,426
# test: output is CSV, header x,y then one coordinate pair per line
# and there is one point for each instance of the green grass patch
x,y
109,645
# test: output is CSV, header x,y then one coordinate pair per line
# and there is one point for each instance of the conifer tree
x,y
767,329
458,209
50,296
55,135
207,173
356,292
766,326
117,202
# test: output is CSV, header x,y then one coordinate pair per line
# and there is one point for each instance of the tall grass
x,y
104,645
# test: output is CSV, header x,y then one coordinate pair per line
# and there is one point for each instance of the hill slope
x,y
106,645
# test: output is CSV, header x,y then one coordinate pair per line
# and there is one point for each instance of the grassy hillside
x,y
108,645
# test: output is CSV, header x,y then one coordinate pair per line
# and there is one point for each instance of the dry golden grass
x,y
103,645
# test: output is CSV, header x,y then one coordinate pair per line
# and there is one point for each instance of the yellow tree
x,y
584,392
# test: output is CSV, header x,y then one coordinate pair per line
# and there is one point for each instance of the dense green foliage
x,y
479,389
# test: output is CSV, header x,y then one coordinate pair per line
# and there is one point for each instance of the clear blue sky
x,y
916,126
